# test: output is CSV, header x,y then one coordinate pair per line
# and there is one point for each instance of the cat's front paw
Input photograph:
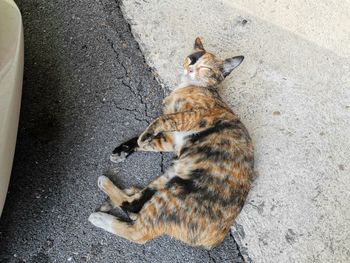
x,y
118,157
121,152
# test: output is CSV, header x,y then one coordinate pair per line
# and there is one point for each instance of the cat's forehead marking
x,y
195,56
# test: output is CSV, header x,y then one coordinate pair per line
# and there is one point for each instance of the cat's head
x,y
205,69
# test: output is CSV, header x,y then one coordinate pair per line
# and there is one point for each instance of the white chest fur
x,y
180,138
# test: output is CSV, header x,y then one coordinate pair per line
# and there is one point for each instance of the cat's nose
x,y
190,70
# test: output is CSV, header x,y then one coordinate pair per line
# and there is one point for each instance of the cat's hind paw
x,y
102,220
103,183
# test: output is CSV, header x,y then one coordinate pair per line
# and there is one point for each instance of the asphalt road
x,y
86,89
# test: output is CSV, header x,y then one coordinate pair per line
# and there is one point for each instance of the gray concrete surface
x,y
293,93
86,89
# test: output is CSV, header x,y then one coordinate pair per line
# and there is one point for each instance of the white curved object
x,y
11,75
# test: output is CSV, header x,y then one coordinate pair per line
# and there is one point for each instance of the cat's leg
x,y
161,143
135,231
116,195
130,203
133,200
158,137
195,121
108,205
134,207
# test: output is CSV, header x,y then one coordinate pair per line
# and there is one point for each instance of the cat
x,y
198,198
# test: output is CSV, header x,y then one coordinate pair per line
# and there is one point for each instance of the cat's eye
x,y
205,67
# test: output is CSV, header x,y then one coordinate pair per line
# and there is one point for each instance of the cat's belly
x,y
180,138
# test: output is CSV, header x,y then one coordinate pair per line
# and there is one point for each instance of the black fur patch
x,y
136,205
199,173
212,154
127,147
160,136
184,150
197,188
187,185
195,56
220,126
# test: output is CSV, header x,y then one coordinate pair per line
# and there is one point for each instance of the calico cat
x,y
198,198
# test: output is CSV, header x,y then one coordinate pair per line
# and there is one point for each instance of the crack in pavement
x,y
237,247
125,68
117,57
129,86
137,94
211,259
132,111
162,163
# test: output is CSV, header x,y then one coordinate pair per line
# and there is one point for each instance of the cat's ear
x,y
198,44
230,64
